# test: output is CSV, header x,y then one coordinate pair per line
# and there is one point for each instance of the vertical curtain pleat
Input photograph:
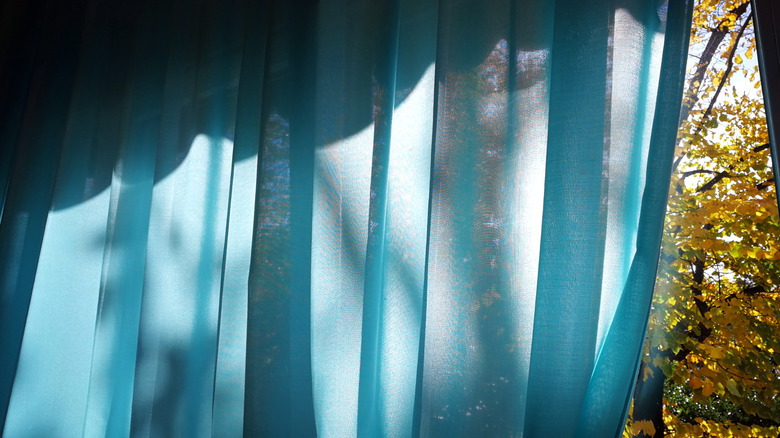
x,y
279,381
409,107
230,376
133,137
335,218
33,154
485,210
766,17
574,220
616,367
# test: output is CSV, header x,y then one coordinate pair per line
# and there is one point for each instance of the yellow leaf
x,y
732,387
716,353
707,388
644,426
648,371
695,382
738,59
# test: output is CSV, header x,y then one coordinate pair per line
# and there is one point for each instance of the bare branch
x,y
729,66
711,183
764,184
716,37
697,171
691,95
761,148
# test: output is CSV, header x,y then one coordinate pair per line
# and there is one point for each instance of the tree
x,y
713,347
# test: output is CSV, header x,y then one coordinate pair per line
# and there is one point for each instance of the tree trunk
x,y
649,396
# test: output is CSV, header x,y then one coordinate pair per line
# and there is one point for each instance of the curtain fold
x,y
334,218
766,17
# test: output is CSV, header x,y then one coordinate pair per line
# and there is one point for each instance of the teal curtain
x,y
334,218
766,17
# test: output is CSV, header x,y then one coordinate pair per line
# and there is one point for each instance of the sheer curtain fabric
x,y
337,218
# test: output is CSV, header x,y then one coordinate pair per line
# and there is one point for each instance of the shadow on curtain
x,y
336,218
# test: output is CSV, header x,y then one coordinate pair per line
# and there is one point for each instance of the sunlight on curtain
x,y
337,218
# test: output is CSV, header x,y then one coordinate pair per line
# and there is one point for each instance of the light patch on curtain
x,y
230,378
178,328
407,211
340,212
203,172
60,325
635,75
527,167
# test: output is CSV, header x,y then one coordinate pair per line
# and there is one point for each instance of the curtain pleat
x,y
335,218
230,378
766,17
615,367
32,149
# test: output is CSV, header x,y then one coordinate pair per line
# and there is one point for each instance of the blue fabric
x,y
335,218
767,21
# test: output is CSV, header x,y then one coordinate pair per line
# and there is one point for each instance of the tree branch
x,y
764,184
761,148
711,183
749,291
697,171
757,383
696,81
729,66
716,37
